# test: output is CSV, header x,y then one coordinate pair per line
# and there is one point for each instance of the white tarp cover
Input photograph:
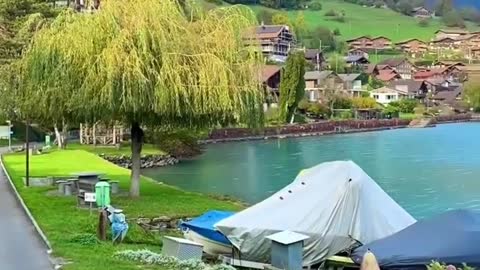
x,y
335,203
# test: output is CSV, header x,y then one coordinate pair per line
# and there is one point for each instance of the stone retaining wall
x,y
147,161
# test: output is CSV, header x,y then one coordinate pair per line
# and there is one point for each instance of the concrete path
x,y
20,247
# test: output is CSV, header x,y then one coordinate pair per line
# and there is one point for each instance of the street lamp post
x,y
27,157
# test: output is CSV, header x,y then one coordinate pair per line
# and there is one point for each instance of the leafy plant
x,y
316,6
331,13
86,239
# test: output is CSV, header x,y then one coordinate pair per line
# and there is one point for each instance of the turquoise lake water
x,y
427,171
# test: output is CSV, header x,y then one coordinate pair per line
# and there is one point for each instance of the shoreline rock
x,y
146,162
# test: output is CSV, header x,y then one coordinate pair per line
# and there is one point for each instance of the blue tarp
x,y
452,238
204,225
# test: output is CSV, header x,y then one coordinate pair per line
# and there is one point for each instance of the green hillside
x,y
369,21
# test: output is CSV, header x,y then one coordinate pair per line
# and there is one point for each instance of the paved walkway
x,y
20,248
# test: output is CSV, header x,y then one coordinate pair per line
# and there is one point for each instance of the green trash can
x,y
102,193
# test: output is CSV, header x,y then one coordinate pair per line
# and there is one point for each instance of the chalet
x,y
352,83
381,43
368,43
422,12
444,43
401,65
276,41
358,52
317,81
384,95
371,69
356,60
363,42
450,73
315,57
450,33
413,47
387,75
270,79
410,88
449,96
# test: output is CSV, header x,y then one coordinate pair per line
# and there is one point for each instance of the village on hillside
x,y
432,83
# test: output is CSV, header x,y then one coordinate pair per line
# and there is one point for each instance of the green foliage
x,y
404,7
216,2
180,143
453,19
86,239
292,86
272,116
280,18
364,102
405,105
470,14
374,83
322,37
299,26
315,6
472,95
339,18
424,23
331,13
342,102
265,16
337,63
336,32
318,110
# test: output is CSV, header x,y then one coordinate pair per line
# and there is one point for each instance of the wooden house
x,y
315,57
401,65
413,47
276,41
422,13
381,43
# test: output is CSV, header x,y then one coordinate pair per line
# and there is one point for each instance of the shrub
x,y
424,23
216,2
378,3
331,13
316,6
453,19
179,143
339,18
318,110
336,32
303,105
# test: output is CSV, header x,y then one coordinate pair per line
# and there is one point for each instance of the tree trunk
x,y
61,136
137,143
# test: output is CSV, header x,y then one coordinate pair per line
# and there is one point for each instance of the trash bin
x,y
102,194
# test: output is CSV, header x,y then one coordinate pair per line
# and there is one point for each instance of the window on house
x,y
375,96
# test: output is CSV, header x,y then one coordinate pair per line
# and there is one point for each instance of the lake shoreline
x,y
322,129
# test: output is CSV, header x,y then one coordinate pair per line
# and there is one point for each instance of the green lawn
x,y
61,220
148,149
369,21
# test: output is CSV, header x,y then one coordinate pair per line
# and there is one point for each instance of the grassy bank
x,y
62,221
148,149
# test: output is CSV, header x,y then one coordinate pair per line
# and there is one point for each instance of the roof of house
x,y
384,90
420,8
443,39
436,81
393,62
356,58
353,39
349,77
448,96
268,71
358,49
387,75
269,31
379,37
412,85
370,68
453,31
410,40
312,53
317,75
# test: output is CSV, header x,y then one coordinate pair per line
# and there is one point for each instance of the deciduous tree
x,y
146,64
292,86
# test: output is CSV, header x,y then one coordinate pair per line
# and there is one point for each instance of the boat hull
x,y
209,246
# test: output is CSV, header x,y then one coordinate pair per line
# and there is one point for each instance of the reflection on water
x,y
427,170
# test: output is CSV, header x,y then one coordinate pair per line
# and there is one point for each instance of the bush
x,y
453,19
364,102
318,110
336,32
179,143
315,6
378,3
339,18
216,2
331,13
405,105
424,23
303,105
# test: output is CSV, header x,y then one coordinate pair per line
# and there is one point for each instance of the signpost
x,y
90,197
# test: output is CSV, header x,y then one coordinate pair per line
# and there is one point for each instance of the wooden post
x,y
94,135
114,135
81,133
102,225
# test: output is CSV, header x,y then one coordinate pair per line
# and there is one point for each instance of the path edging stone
x,y
40,232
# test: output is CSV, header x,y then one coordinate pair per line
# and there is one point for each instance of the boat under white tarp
x,y
335,203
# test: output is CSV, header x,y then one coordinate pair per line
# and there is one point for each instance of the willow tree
x,y
148,64
292,85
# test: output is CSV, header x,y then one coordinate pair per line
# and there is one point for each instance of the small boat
x,y
201,230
